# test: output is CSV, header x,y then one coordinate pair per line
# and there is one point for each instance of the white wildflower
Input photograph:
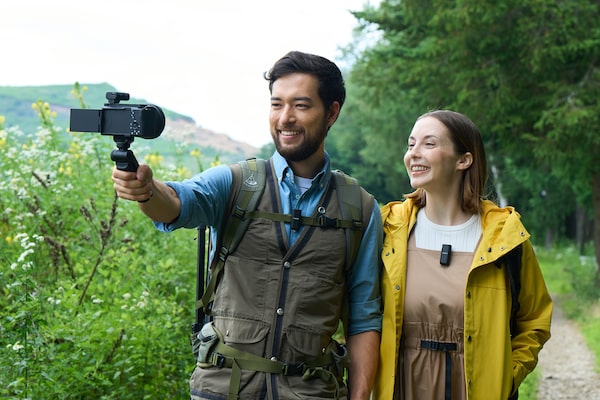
x,y
16,347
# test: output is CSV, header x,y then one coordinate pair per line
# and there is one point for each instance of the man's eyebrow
x,y
299,98
303,98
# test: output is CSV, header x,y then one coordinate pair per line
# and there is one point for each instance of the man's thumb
x,y
144,173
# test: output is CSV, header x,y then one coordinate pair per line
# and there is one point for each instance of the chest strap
x,y
296,220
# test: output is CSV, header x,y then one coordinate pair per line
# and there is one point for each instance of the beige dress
x,y
431,357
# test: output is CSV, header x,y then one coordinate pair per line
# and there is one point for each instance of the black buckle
x,y
438,346
218,360
326,222
238,212
292,369
296,215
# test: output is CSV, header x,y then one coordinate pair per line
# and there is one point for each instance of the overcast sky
x,y
200,58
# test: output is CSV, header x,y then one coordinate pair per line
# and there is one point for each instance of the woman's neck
x,y
445,211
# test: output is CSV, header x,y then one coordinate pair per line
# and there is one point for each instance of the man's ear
x,y
465,161
333,114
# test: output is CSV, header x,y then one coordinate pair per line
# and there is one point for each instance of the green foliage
x,y
95,303
525,72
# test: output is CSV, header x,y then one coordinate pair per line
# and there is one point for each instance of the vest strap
x,y
224,356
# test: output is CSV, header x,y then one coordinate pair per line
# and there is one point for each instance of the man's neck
x,y
308,167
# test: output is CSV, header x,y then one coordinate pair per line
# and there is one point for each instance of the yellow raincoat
x,y
494,365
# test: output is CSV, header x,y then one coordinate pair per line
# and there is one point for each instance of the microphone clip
x,y
445,254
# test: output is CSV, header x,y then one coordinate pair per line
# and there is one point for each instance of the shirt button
x,y
273,358
280,311
469,338
468,294
287,264
397,287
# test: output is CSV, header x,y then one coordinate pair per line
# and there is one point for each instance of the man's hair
x,y
331,83
465,137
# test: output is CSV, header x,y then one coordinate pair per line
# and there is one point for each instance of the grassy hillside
x,y
16,107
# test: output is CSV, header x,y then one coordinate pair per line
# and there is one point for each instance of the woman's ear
x,y
465,161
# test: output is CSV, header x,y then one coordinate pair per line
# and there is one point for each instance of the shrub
x,y
95,302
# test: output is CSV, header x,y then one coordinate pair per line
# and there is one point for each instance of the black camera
x,y
122,121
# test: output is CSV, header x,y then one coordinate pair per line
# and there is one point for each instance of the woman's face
x,y
431,161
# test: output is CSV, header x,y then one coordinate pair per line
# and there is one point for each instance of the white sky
x,y
200,58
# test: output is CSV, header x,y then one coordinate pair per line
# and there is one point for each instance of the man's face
x,y
298,119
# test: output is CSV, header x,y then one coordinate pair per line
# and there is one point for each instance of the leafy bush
x,y
94,302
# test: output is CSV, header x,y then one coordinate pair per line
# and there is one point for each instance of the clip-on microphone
x,y
445,254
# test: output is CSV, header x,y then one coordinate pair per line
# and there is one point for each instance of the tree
x,y
525,72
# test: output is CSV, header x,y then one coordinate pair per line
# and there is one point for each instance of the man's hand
x,y
135,186
157,200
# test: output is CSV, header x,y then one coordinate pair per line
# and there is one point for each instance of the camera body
x,y
130,120
123,122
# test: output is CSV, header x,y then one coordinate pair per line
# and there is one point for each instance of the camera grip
x,y
125,160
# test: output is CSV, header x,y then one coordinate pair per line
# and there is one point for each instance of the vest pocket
x,y
243,334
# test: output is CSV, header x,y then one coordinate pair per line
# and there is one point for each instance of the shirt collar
x,y
282,168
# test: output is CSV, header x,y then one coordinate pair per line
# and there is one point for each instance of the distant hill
x,y
16,101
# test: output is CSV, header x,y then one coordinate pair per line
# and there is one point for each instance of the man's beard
x,y
304,150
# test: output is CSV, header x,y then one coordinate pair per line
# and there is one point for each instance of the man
x,y
283,290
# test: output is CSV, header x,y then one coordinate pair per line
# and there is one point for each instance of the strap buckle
x,y
295,223
326,222
218,360
293,369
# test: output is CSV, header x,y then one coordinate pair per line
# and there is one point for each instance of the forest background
x,y
95,303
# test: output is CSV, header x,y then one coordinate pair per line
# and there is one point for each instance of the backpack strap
x,y
512,263
356,205
248,183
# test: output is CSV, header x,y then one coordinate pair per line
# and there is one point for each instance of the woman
x,y
447,298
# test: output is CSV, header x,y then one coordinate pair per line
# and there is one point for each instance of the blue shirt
x,y
203,201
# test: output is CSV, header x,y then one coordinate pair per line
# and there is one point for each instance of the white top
x,y
463,237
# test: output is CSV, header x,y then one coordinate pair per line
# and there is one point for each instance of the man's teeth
x,y
289,133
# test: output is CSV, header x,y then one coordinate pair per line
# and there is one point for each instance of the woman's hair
x,y
331,83
466,138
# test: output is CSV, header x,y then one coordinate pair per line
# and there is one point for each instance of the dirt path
x,y
566,365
